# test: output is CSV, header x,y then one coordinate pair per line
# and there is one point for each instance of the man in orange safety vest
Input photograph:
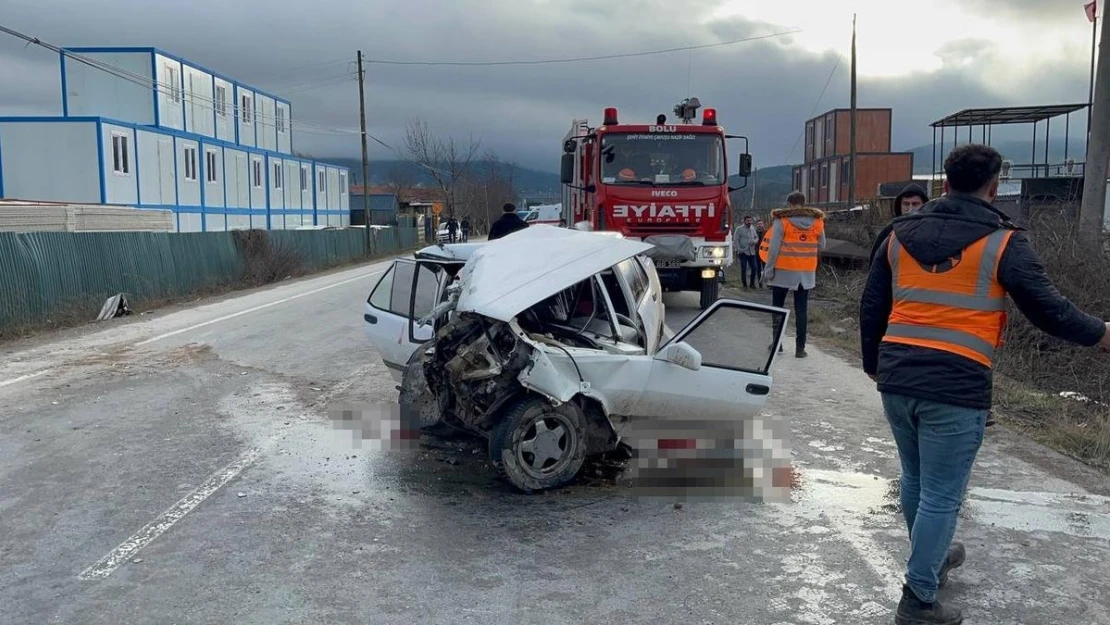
x,y
790,250
931,317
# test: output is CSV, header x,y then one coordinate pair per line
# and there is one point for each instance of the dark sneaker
x,y
956,555
800,353
913,611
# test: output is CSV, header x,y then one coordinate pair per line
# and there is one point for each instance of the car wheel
x,y
539,446
710,291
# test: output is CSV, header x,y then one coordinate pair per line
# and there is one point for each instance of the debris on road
x,y
115,306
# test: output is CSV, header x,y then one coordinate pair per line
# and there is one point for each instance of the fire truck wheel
x,y
710,290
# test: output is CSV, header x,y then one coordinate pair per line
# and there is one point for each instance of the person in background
x,y
452,228
932,315
746,241
797,237
761,231
508,223
465,227
911,199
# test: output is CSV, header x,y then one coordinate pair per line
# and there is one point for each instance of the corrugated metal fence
x,y
47,274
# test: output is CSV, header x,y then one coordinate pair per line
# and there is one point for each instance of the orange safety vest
x,y
765,246
799,248
958,306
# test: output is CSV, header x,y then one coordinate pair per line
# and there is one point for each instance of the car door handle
x,y
757,389
369,318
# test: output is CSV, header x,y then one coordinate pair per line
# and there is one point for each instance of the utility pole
x,y
852,150
365,160
1094,46
1092,210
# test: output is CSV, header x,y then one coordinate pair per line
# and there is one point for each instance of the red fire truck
x,y
663,183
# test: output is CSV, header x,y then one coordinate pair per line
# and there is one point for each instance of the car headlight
x,y
713,252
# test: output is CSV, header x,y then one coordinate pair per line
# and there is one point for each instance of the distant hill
x,y
1020,152
524,179
770,185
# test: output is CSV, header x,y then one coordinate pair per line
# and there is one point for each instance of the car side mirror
x,y
683,355
567,170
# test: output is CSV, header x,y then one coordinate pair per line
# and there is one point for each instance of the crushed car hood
x,y
506,276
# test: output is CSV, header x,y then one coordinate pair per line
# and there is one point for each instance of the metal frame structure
x,y
988,118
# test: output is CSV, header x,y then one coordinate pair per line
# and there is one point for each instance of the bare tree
x,y
492,186
446,161
400,182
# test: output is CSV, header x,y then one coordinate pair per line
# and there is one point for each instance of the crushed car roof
x,y
504,277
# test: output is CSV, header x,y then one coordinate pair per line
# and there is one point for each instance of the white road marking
x,y
167,519
24,378
846,500
257,308
128,548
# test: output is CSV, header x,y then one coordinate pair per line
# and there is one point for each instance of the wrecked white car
x,y
551,342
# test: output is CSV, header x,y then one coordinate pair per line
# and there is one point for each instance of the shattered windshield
x,y
662,159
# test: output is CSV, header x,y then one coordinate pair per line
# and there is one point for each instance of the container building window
x,y
174,83
190,163
221,101
211,172
120,162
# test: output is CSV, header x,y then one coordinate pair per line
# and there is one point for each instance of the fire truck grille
x,y
647,230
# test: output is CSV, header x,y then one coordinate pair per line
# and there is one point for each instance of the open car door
x,y
408,290
703,393
718,366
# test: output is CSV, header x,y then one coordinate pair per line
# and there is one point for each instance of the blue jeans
x,y
937,444
749,265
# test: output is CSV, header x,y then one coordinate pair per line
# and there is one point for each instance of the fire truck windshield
x,y
662,159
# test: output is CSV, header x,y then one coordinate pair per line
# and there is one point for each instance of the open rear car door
x,y
406,292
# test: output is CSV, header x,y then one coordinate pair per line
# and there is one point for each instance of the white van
x,y
549,214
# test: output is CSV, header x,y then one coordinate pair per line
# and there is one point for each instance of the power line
x,y
152,84
816,104
584,58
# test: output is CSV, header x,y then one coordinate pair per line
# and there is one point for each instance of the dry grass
x,y
266,261
1033,368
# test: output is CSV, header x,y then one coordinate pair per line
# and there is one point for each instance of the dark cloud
x,y
762,89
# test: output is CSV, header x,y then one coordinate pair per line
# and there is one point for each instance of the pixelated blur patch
x,y
719,460
380,426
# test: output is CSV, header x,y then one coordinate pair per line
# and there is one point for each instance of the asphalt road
x,y
181,468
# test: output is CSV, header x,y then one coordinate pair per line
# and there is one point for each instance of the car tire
x,y
710,291
539,446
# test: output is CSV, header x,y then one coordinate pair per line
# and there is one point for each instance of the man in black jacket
x,y
935,295
909,200
508,223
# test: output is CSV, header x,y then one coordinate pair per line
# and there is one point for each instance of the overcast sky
x,y
924,59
